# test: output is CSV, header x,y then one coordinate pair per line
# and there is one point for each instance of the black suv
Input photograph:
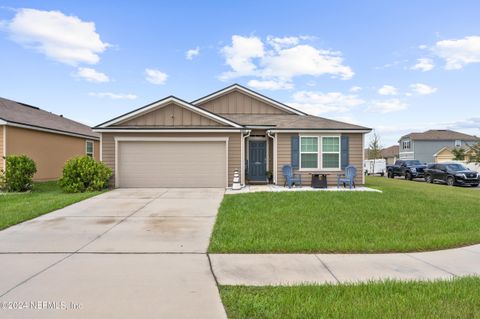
x,y
452,174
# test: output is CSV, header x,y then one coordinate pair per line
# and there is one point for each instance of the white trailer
x,y
376,166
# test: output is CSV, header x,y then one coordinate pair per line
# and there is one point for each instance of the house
x,y
423,146
49,139
390,154
175,143
445,154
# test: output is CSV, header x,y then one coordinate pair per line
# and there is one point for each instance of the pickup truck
x,y
409,169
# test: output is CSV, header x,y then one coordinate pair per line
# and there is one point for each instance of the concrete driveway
x,y
128,253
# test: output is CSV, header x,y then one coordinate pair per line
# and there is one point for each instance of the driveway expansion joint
x,y
327,268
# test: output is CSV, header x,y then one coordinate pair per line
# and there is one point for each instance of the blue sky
x,y
396,66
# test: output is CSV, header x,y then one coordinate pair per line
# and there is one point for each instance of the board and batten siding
x,y
236,102
170,115
284,157
234,152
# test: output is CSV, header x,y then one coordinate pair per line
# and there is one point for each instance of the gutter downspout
x,y
242,164
274,163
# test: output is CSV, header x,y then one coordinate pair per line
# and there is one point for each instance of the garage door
x,y
171,164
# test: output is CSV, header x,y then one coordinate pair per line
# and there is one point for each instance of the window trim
x,y
320,153
93,148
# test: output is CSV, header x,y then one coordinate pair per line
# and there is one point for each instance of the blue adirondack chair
x,y
291,178
348,177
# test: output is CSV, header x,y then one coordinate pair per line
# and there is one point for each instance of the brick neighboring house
x,y
424,146
49,139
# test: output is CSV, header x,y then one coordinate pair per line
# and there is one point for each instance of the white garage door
x,y
172,164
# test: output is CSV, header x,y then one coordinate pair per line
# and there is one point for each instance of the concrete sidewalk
x,y
293,269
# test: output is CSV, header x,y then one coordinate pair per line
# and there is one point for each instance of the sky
x,y
395,66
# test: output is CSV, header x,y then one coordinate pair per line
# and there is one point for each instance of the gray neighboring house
x,y
423,146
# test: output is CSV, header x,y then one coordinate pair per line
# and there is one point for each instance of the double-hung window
x,y
309,152
331,152
319,152
89,148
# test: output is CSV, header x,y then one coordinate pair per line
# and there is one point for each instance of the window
x,y
458,143
89,148
330,152
406,145
317,152
309,152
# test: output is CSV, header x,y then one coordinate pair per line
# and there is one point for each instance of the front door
x,y
257,160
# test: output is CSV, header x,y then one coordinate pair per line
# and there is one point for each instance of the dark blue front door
x,y
257,159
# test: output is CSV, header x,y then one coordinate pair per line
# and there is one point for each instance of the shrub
x,y
84,174
18,175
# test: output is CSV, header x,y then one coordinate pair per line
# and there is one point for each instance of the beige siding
x,y
2,152
170,115
50,151
234,154
284,157
237,102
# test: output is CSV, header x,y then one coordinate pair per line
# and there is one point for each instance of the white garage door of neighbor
x,y
172,164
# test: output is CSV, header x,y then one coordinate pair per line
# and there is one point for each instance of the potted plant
x,y
269,175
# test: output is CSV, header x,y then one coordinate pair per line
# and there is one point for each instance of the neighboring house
x,y
391,154
423,146
445,154
49,139
174,143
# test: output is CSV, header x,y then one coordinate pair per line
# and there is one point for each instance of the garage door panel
x,y
172,164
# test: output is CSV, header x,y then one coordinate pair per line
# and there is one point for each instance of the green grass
x,y
442,299
44,198
407,216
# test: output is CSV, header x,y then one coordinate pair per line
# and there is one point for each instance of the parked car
x,y
409,169
376,166
452,174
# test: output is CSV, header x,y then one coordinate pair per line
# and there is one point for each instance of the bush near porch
x,y
407,216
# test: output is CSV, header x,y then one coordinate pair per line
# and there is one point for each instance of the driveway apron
x,y
128,253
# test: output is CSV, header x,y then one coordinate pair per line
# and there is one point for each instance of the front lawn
x,y
44,198
407,216
442,299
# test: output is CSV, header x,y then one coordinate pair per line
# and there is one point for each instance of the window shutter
x,y
295,151
344,151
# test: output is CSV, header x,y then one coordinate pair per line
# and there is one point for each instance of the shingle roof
x,y
20,113
440,135
391,151
287,121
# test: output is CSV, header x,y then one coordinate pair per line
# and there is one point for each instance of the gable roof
x,y
163,102
23,115
238,87
439,135
291,122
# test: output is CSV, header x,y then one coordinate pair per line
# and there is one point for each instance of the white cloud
x,y
91,75
387,106
355,89
317,102
423,64
388,90
113,96
280,59
239,56
422,46
458,53
63,38
155,76
190,54
423,89
270,85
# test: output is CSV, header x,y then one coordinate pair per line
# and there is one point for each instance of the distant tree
x,y
458,154
374,147
475,152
